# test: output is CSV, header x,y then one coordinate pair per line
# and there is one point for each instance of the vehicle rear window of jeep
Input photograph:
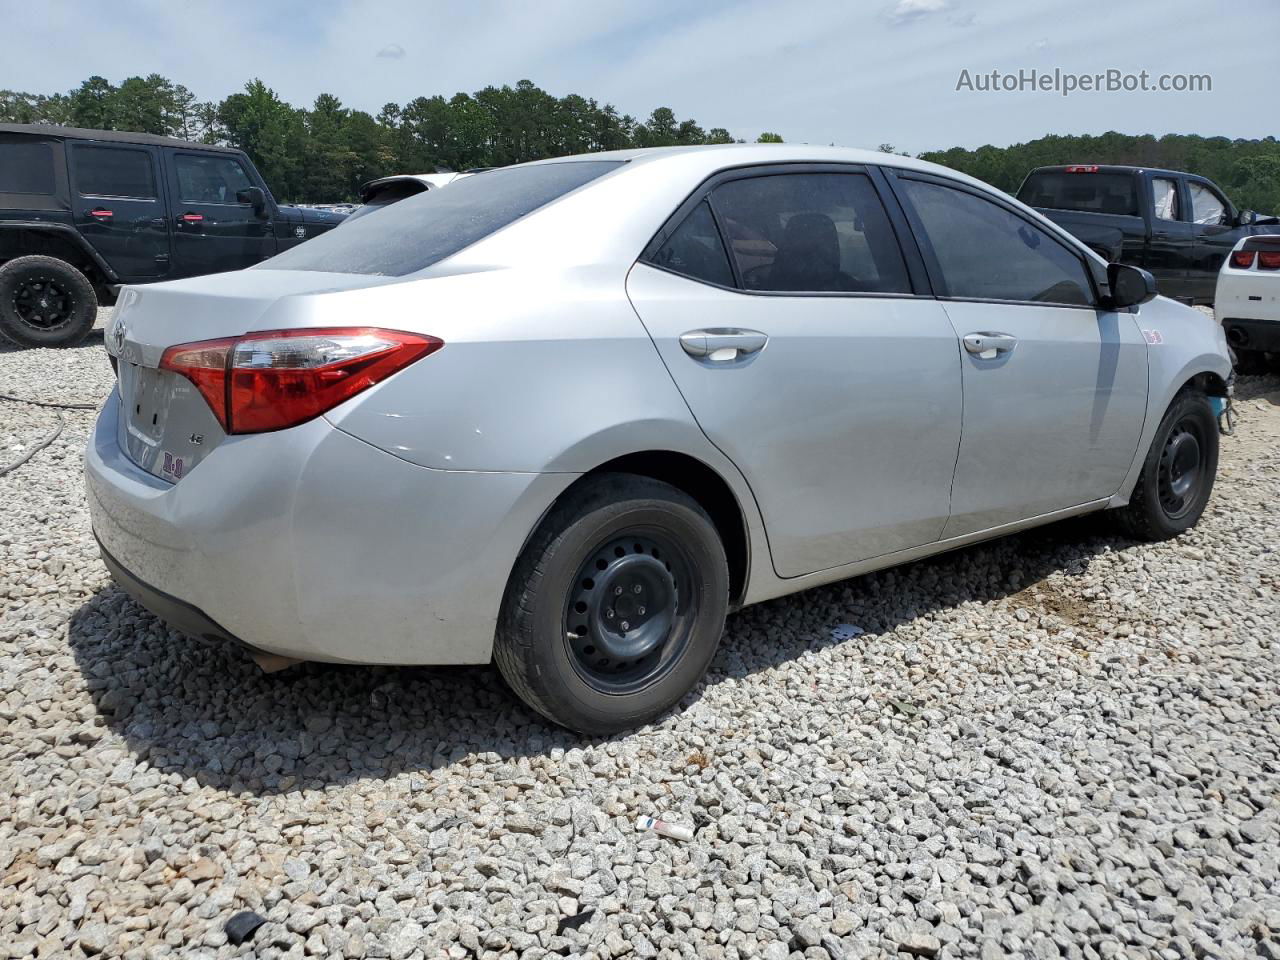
x,y
415,233
26,168
1088,192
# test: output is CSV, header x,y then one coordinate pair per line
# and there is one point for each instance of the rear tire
x,y
1177,475
45,302
616,606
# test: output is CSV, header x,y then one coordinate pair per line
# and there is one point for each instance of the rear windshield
x,y
415,233
1090,192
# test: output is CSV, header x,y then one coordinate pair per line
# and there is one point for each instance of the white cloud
x,y
392,51
906,11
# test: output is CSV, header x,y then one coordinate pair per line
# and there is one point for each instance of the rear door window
x,y
1164,198
114,172
695,250
810,233
986,252
415,233
26,166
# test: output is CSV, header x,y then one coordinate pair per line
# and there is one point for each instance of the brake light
x,y
1083,168
281,378
1269,259
1242,259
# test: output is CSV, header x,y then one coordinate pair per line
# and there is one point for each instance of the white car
x,y
385,191
1247,302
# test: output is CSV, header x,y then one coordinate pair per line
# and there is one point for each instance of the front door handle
x,y
722,344
988,346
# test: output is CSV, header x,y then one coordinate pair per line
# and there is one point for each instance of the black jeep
x,y
84,211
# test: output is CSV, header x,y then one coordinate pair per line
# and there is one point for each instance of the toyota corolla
x,y
567,415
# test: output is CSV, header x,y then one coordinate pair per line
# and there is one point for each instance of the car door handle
x,y
987,346
722,344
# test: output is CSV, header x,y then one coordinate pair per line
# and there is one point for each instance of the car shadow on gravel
x,y
204,710
92,339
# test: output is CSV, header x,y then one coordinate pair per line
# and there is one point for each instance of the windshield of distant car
x,y
415,233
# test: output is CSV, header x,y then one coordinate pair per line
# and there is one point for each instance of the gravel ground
x,y
1061,744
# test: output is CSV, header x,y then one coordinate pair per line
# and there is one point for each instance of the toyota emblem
x,y
118,333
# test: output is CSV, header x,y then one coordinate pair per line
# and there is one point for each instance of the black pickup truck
x,y
1177,225
83,212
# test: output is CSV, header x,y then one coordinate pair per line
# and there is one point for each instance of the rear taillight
x,y
280,378
1242,259
1083,168
1269,259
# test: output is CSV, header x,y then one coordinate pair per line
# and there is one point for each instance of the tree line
x,y
1248,170
324,153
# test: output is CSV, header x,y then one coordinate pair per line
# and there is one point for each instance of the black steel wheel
x,y
626,619
45,302
616,605
1178,472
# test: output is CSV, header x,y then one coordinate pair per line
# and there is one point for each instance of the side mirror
x,y
254,197
1129,285
1246,218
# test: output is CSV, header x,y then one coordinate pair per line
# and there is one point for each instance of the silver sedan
x,y
565,416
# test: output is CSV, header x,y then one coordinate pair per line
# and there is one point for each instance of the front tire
x,y
1177,475
45,302
616,606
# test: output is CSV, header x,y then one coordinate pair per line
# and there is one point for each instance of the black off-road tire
x,y
72,305
1154,511
612,524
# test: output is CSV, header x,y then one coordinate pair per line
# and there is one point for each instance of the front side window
x,y
210,178
694,249
810,233
1164,196
1206,206
114,172
986,252
415,233
26,166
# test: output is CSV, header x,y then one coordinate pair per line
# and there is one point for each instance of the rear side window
x,y
695,250
1090,192
810,233
209,179
1164,198
415,233
114,172
986,252
26,167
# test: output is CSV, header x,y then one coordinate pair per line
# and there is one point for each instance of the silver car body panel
x,y
845,463
386,530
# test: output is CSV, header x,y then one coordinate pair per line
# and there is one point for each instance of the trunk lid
x,y
166,427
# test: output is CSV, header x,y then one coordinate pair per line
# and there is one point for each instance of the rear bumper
x,y
1248,334
309,543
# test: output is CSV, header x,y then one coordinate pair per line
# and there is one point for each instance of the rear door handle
x,y
722,344
987,346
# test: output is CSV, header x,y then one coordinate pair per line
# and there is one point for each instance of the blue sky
x,y
850,73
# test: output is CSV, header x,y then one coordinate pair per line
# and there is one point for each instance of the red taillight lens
x,y
1242,259
1083,168
280,378
1269,259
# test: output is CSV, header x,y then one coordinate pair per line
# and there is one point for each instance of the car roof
x,y
110,136
1115,168
714,157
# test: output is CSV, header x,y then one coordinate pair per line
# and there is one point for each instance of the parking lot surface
x,y
1060,744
